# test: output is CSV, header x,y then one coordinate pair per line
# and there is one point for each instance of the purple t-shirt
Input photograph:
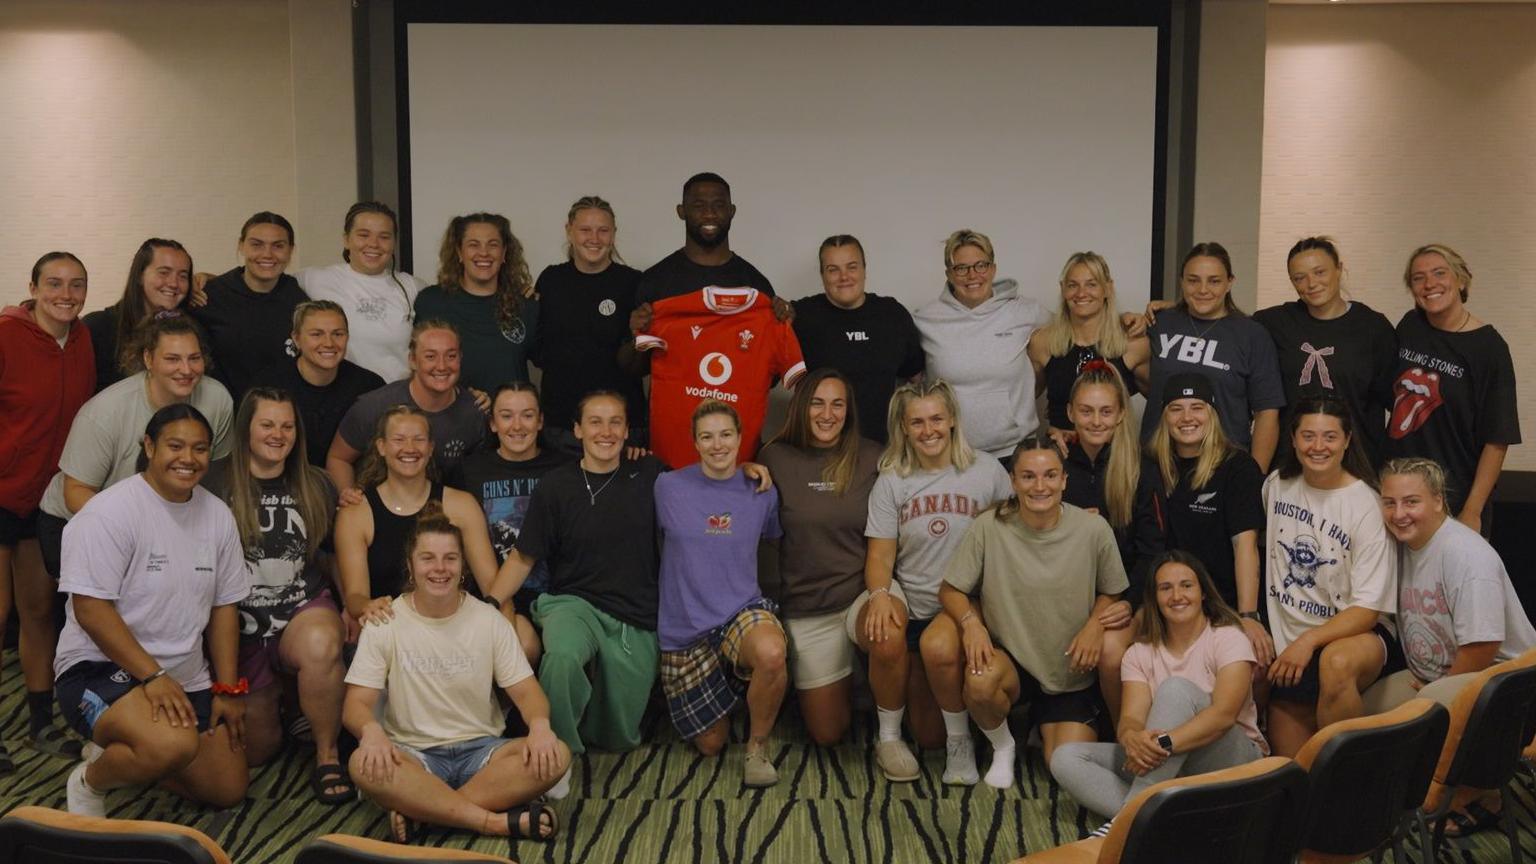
x,y
709,533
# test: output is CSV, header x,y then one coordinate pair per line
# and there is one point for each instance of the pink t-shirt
x,y
1216,647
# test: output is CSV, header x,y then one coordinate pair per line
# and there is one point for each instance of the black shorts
x,y
14,529
88,688
1306,690
1080,706
50,539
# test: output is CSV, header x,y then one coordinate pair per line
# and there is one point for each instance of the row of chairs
x,y
1357,789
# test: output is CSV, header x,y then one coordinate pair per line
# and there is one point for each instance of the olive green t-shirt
x,y
1038,587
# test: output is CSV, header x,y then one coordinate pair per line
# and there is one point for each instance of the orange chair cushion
x,y
95,825
1081,852
408,853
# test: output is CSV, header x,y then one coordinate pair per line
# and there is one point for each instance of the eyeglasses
x,y
982,268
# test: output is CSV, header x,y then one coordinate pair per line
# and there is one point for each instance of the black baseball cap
x,y
1188,385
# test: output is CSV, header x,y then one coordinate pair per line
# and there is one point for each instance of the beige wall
x,y
171,118
1382,130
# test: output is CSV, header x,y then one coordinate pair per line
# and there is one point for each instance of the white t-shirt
x,y
107,436
1328,550
927,514
379,313
164,564
1453,592
439,672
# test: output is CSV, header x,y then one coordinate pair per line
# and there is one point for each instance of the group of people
x,y
330,506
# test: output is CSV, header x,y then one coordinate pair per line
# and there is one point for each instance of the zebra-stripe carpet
x,y
665,803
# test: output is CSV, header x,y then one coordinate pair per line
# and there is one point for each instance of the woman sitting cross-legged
x,y
436,754
1188,694
713,625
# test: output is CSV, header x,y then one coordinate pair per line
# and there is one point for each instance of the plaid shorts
x,y
699,691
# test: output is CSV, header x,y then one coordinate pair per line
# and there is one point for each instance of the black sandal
x,y
330,776
1476,818
402,828
535,811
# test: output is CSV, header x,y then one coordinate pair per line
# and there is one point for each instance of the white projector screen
x,y
1041,137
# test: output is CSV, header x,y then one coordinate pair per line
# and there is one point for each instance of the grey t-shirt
x,y
1038,587
1236,354
455,429
1453,592
107,436
165,565
927,513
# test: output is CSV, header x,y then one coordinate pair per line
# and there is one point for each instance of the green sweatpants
x,y
603,709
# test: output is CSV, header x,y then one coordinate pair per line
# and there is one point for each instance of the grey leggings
x,y
1095,774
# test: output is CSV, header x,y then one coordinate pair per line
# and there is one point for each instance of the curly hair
x,y
513,281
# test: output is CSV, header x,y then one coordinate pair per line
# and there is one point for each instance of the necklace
x,y
1467,316
401,508
592,496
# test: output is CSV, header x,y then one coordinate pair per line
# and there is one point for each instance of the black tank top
x,y
1061,373
386,554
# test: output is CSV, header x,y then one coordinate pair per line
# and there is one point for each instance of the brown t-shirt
x,y
821,558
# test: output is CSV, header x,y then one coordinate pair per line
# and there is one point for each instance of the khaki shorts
x,y
819,650
851,620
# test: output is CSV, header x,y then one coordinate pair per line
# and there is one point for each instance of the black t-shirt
x,y
584,318
102,325
1203,522
504,489
1352,357
875,345
492,353
247,331
320,408
600,544
675,274
1140,541
1455,392
1061,373
456,430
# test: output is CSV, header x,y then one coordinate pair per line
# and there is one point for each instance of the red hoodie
x,y
41,388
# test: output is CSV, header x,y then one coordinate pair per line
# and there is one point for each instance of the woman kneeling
x,y
437,755
712,612
1188,698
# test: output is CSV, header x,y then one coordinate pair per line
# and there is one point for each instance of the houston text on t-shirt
x,y
1305,516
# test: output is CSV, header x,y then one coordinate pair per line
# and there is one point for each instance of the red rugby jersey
x,y
715,343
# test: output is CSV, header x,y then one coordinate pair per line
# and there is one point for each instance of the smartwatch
x,y
1165,741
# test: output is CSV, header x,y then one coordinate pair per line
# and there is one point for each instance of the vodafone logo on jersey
x,y
715,369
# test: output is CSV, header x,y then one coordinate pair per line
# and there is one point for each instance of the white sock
x,y
1000,775
1000,737
561,788
956,723
890,722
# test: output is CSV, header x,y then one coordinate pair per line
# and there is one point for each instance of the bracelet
x,y
886,590
239,688
158,673
1251,616
969,614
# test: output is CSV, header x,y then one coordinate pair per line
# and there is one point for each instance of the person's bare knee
x,y
766,651
1340,667
263,725
712,741
985,688
892,650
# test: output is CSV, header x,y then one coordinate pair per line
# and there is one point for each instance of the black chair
x,y
38,835
1492,720
346,849
1368,776
1242,815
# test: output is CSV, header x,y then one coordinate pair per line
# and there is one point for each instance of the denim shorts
x,y
454,764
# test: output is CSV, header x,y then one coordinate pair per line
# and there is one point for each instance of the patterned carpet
x,y
664,803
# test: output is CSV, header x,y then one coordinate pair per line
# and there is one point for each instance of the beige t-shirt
x,y
439,672
1038,587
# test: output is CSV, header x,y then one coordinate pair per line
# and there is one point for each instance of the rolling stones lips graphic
x,y
1418,395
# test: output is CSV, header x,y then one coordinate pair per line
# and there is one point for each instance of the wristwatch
x,y
1251,616
1165,741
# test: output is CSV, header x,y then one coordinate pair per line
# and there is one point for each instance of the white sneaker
x,y
91,751
562,787
1000,775
960,761
80,798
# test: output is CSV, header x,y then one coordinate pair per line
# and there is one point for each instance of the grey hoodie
x,y
981,353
